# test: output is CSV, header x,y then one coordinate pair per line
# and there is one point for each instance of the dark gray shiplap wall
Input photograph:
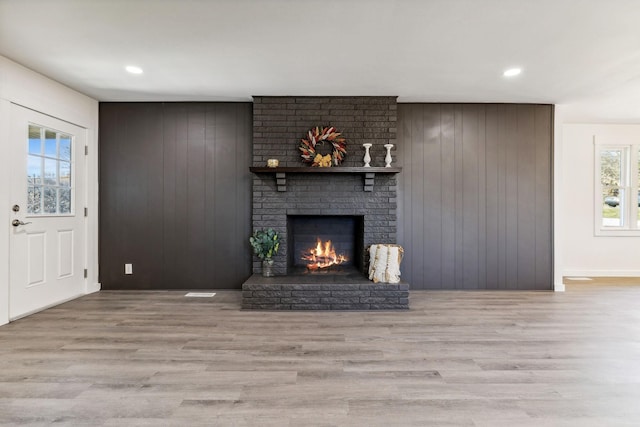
x,y
175,195
475,204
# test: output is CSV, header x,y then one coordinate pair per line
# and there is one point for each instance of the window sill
x,y
600,232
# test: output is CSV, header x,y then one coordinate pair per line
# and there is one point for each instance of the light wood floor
x,y
455,359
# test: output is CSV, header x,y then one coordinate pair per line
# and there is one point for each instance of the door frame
x,y
28,89
56,290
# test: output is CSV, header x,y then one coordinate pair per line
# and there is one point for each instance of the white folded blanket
x,y
384,263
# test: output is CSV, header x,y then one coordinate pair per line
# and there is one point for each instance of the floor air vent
x,y
200,294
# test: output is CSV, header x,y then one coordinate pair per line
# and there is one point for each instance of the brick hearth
x,y
311,292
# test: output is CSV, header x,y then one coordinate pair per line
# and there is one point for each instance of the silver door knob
x,y
17,222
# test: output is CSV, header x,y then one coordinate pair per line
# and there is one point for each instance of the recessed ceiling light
x,y
133,69
512,72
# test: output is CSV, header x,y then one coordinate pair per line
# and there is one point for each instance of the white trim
x,y
615,232
602,273
5,217
91,200
558,213
93,287
39,93
62,301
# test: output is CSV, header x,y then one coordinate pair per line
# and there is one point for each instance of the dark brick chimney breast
x,y
278,125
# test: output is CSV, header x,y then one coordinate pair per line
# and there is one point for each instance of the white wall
x,y
558,214
581,253
22,86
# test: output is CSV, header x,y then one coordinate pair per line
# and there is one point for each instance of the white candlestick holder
x,y
388,159
367,156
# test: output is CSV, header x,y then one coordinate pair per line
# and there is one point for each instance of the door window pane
x,y
35,140
50,172
34,200
50,200
65,174
65,147
49,169
50,143
34,170
65,200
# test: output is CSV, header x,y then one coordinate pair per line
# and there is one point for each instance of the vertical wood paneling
x,y
447,221
502,197
432,258
109,184
543,185
243,154
476,187
470,196
180,116
511,197
405,189
482,199
153,221
417,207
224,230
196,195
491,188
526,196
174,200
173,246
458,213
211,176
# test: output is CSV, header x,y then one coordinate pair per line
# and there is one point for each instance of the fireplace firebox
x,y
325,244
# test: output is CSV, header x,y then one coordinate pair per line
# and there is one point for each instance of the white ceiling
x,y
580,52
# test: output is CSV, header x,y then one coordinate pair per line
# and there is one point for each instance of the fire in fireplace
x,y
322,256
324,243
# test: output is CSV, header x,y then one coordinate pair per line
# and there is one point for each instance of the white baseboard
x,y
558,287
601,273
62,301
93,287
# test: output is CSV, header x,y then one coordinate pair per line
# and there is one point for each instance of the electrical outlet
x,y
128,269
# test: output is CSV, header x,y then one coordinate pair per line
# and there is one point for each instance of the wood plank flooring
x,y
454,359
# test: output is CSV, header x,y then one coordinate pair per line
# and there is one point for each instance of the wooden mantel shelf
x,y
368,173
334,169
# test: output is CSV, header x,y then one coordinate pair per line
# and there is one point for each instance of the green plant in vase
x,y
265,244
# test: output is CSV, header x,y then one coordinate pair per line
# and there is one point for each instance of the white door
x,y
47,243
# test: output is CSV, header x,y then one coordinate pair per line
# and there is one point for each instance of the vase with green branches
x,y
265,244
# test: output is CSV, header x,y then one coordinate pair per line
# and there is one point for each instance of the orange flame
x,y
323,256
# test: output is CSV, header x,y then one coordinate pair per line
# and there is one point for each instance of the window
x,y
48,172
617,192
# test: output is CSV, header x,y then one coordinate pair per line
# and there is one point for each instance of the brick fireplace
x,y
297,191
